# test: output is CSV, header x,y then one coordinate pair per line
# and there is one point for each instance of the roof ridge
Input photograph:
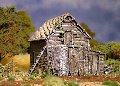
x,y
49,25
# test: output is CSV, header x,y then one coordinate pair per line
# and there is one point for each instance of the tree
x,y
15,27
113,50
87,29
93,42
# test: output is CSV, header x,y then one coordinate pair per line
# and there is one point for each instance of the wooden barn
x,y
61,46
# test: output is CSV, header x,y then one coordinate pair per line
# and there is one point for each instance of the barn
x,y
61,46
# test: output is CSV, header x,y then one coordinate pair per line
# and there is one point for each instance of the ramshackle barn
x,y
61,46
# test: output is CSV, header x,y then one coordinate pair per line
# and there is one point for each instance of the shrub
x,y
11,78
44,74
115,65
72,84
27,84
31,78
1,68
110,83
1,78
17,70
66,83
53,81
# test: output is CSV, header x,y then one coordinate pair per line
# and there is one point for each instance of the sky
x,y
102,16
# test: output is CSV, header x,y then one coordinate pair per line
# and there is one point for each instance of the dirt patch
x,y
92,78
39,83
83,80
21,83
90,84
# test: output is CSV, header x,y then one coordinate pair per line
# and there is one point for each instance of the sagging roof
x,y
48,26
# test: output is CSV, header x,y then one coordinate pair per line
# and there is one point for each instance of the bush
x,y
110,83
115,65
11,78
72,84
1,68
31,78
27,84
44,74
53,81
17,70
1,78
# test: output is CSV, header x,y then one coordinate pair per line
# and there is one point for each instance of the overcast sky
x,y
102,16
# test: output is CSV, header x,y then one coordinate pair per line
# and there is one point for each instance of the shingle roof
x,y
48,26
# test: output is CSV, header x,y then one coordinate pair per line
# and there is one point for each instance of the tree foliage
x,y
93,42
112,49
115,65
87,29
15,27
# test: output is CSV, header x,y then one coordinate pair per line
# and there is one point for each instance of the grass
x,y
27,84
1,78
73,84
53,81
110,83
31,78
22,61
11,78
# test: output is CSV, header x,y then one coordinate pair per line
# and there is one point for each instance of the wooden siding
x,y
68,53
